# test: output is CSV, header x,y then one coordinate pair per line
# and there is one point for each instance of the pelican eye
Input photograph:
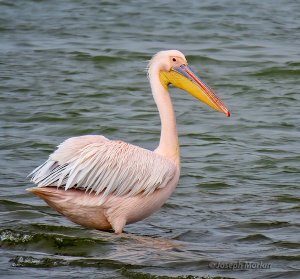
x,y
174,59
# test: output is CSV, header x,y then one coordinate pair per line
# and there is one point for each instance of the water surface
x,y
70,68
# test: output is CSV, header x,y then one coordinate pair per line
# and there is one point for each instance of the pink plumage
x,y
105,184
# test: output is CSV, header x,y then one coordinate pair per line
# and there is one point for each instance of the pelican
x,y
105,184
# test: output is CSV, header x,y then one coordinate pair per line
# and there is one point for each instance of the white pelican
x,y
105,184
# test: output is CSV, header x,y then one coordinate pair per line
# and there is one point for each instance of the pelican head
x,y
173,69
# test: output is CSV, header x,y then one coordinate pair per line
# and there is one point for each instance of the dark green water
x,y
70,68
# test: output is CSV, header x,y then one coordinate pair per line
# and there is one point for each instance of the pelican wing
x,y
96,164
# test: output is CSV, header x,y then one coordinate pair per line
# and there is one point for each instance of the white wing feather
x,y
96,164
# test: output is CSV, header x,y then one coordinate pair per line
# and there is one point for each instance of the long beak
x,y
183,77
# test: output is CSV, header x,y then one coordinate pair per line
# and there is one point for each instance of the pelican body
x,y
105,184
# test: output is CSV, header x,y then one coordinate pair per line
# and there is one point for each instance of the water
x,y
70,68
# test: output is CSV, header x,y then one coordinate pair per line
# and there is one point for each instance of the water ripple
x,y
79,67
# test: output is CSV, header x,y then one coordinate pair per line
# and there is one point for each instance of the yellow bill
x,y
184,78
